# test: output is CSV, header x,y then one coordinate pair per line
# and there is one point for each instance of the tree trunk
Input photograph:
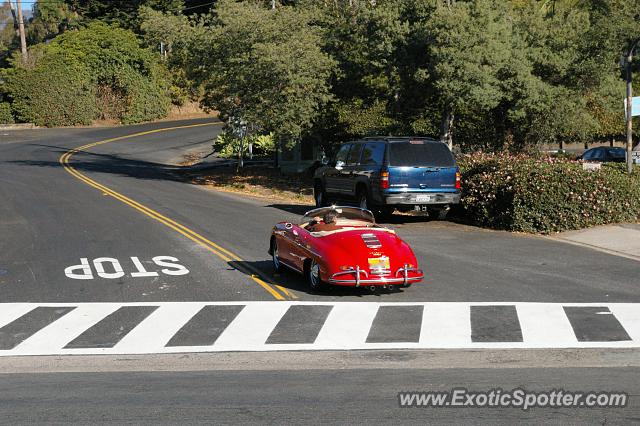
x,y
446,134
240,156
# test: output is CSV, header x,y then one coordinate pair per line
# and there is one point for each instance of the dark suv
x,y
386,173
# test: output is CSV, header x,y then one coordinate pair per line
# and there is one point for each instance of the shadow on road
x,y
296,282
84,161
299,209
394,219
113,164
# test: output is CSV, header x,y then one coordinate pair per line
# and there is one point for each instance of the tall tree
x,y
469,46
121,12
8,30
264,68
50,19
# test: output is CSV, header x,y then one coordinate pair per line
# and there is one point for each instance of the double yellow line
x,y
275,290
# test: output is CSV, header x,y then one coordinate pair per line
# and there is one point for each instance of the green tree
x,y
123,13
469,47
180,36
367,39
263,67
50,19
8,37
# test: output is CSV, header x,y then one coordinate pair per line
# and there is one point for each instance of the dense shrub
x,y
56,92
542,194
148,100
5,113
100,71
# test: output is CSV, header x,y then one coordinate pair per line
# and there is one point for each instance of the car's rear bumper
x,y
376,282
422,198
358,277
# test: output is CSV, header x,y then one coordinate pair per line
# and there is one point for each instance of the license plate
x,y
423,198
379,263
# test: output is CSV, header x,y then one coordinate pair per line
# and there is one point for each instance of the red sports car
x,y
344,246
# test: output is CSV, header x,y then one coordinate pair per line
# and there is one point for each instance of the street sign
x,y
635,106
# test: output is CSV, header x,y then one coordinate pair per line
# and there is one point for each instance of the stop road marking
x,y
111,268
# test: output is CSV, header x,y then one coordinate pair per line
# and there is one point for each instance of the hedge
x,y
545,195
58,92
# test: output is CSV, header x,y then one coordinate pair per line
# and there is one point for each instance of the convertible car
x,y
344,246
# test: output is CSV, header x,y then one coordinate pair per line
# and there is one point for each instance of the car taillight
x,y
384,180
458,180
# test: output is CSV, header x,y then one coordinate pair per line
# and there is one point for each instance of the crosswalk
x,y
170,327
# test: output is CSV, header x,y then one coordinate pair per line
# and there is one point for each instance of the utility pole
x,y
628,60
23,39
15,18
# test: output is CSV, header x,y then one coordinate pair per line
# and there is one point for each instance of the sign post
x,y
629,106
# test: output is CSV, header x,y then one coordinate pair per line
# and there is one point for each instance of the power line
x,y
200,5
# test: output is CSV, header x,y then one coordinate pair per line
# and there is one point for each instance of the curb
x,y
596,248
18,126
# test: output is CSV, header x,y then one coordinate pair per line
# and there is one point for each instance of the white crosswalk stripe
x,y
346,325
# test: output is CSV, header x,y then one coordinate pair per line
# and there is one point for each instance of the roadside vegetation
x,y
99,72
504,77
489,74
543,194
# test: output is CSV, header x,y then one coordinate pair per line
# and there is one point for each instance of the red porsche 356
x,y
344,246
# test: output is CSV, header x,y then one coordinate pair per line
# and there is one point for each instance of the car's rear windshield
x,y
617,153
420,153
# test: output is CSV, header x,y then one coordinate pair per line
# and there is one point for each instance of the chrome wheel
x,y
315,282
277,266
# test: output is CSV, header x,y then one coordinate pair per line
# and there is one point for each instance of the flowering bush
x,y
545,194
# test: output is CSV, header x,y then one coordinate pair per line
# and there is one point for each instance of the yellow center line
x,y
226,255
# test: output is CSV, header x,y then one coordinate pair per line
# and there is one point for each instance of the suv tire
x,y
438,213
363,199
383,213
320,195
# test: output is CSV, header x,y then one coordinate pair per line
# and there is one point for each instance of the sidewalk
x,y
620,240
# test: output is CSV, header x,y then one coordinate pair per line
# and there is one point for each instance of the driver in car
x,y
328,223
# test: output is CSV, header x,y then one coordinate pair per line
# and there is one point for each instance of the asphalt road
x,y
125,206
50,220
301,397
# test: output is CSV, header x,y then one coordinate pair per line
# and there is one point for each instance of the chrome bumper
x,y
411,198
401,277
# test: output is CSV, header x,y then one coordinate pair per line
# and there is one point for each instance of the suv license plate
x,y
423,198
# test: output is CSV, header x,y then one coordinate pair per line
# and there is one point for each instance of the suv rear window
x,y
420,153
